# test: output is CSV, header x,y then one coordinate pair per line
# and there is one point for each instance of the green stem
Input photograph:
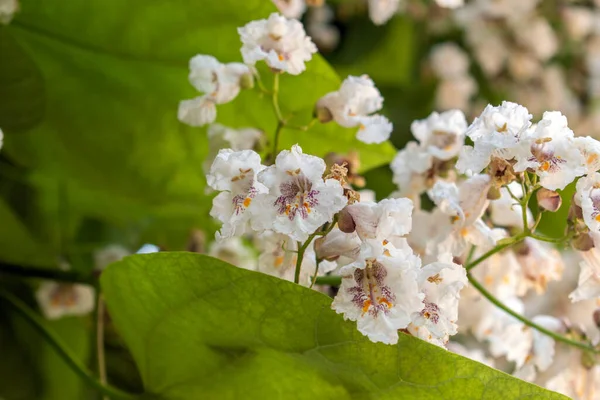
x,y
46,273
276,99
36,322
100,340
276,141
495,250
301,249
526,321
331,280
547,239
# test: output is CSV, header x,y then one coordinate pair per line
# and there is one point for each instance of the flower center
x,y
63,296
431,312
544,155
297,196
370,294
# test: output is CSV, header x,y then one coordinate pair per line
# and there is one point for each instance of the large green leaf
x,y
101,83
200,328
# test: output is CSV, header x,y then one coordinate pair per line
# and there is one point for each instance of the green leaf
x,y
102,80
200,328
17,244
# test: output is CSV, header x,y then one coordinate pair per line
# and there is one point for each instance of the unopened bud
x,y
346,222
494,193
596,317
583,242
575,211
323,114
247,81
548,200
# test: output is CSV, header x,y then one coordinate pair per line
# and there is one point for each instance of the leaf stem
x,y
36,322
560,338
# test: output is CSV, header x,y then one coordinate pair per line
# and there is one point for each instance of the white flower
x,y
109,255
441,134
353,105
588,197
233,251
577,380
588,286
455,93
378,223
449,61
299,200
278,257
8,8
496,132
290,8
590,150
63,299
450,3
234,174
281,42
198,111
380,11
220,84
380,294
537,35
551,152
540,264
409,167
541,351
222,137
343,248
441,282
464,205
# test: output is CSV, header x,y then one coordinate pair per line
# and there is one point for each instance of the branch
x,y
526,321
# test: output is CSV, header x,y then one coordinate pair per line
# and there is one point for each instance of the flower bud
x,y
247,81
346,222
494,193
596,317
575,211
323,114
548,200
583,242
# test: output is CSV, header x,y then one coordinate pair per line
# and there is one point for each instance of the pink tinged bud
x,y
346,223
583,242
548,200
323,114
575,211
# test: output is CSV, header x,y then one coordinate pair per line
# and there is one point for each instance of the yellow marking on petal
x,y
386,302
307,207
247,202
506,279
488,280
362,127
545,166
597,218
387,253
385,241
280,57
235,178
503,128
464,232
366,306
592,158
278,261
